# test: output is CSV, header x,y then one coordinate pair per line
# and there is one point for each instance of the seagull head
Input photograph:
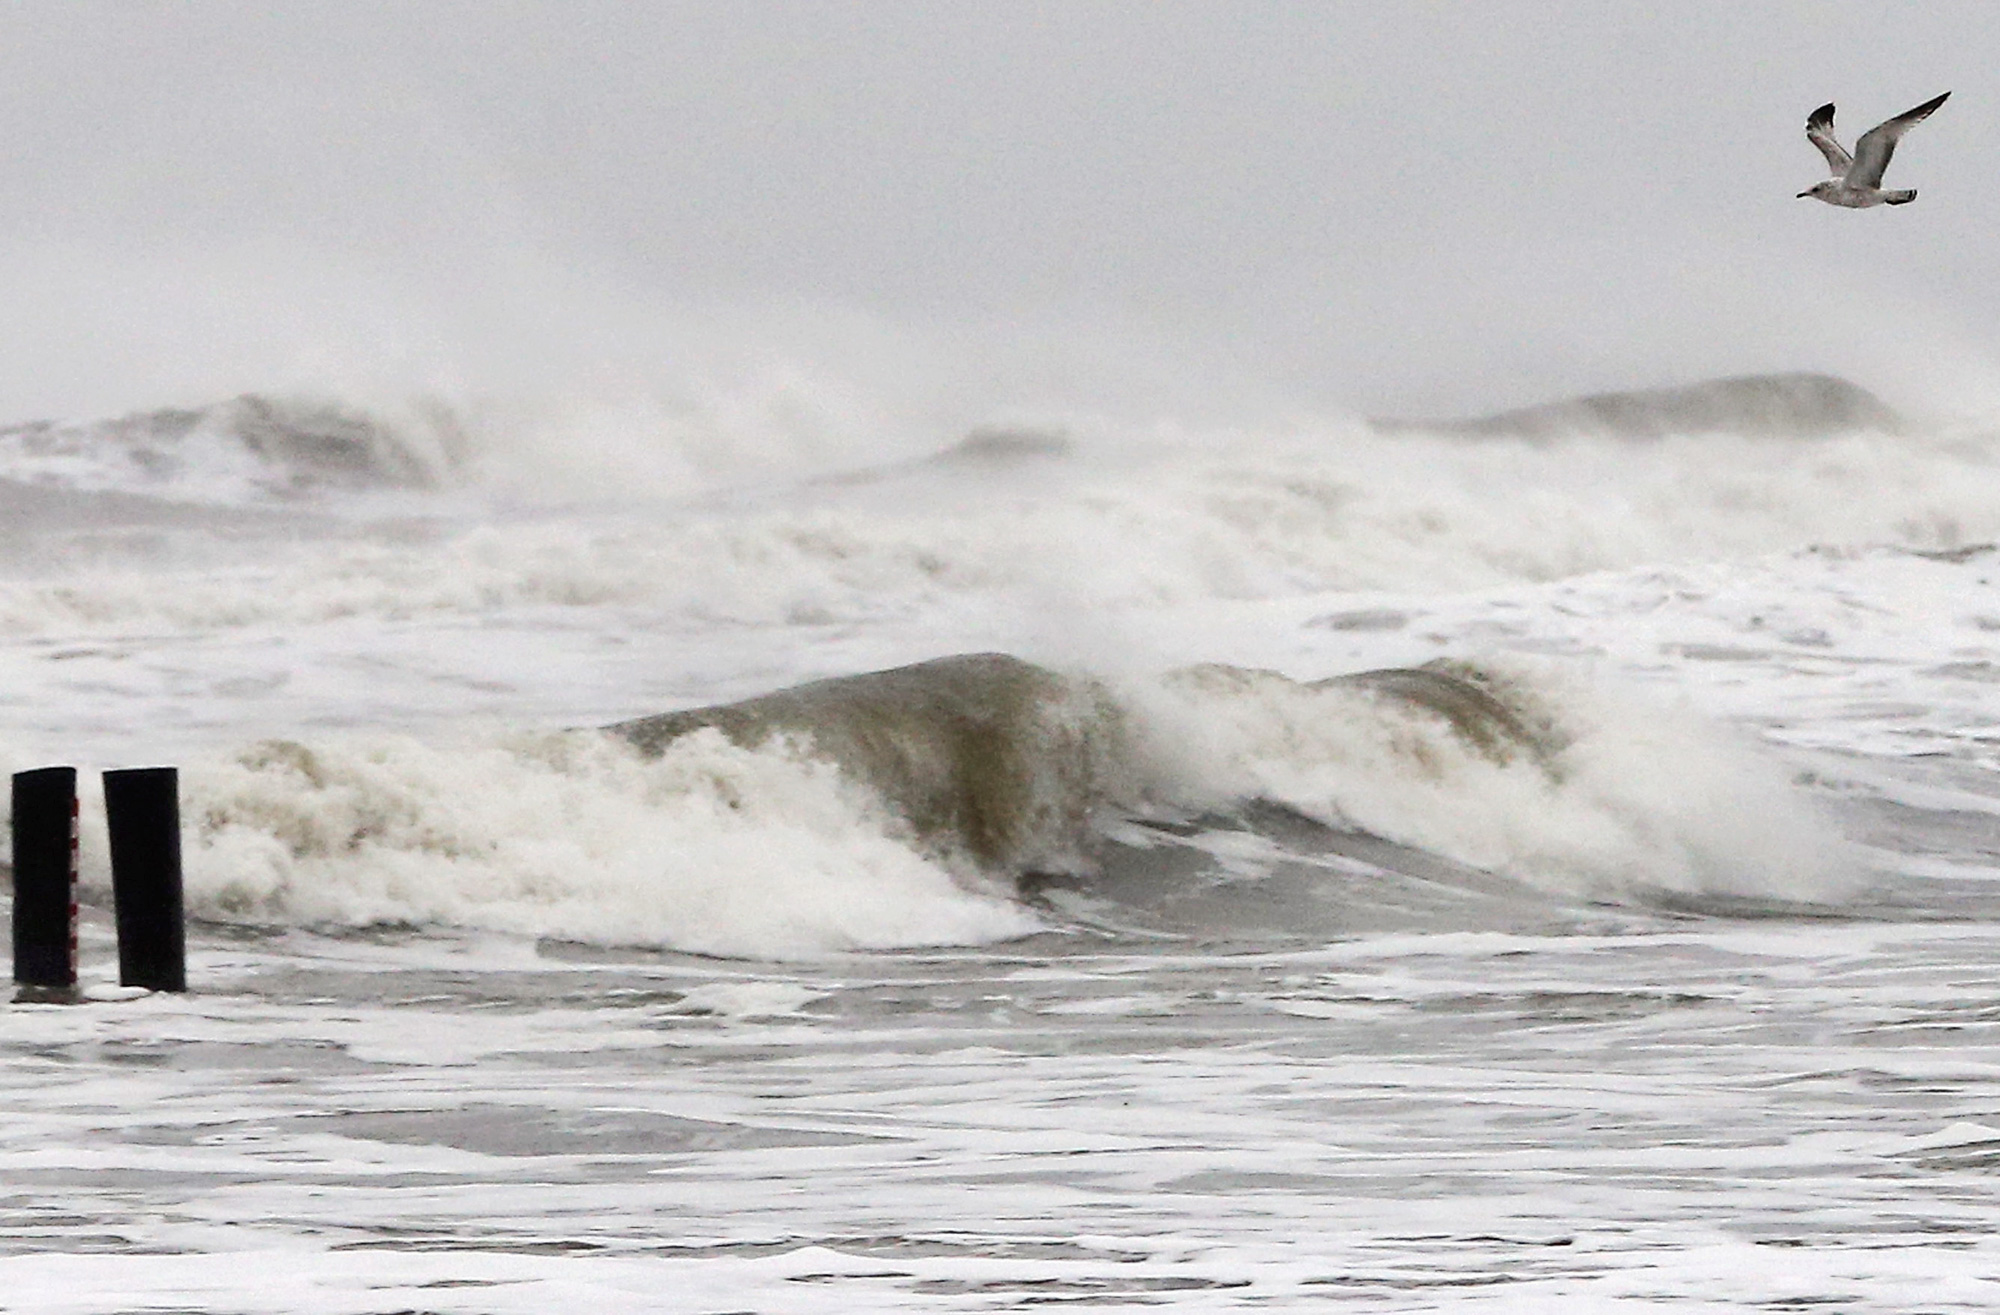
x,y
1819,188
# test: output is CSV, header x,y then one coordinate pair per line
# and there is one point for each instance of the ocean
x,y
1547,861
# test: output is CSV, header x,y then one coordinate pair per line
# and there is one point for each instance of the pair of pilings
x,y
142,809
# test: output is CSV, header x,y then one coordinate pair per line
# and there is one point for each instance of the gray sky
x,y
1413,207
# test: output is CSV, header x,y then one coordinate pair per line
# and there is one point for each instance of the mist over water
x,y
1205,215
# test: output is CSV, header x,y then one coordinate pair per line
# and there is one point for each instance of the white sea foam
x,y
711,848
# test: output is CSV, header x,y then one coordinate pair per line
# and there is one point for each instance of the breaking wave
x,y
906,807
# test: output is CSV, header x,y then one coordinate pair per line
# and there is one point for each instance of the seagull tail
x,y
1900,198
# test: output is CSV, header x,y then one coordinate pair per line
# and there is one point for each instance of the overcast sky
x,y
1415,207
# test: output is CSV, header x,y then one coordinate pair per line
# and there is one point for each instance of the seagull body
x,y
1857,178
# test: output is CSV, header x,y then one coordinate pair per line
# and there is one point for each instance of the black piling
x,y
44,827
142,808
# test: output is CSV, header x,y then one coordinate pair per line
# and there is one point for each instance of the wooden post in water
x,y
44,827
142,807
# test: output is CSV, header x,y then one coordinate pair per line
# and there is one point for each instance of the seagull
x,y
1857,178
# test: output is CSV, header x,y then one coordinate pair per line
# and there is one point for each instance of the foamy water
x,y
1677,1000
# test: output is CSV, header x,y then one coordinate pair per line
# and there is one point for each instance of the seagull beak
x,y
1803,195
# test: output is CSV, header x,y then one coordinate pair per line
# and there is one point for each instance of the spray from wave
x,y
1533,772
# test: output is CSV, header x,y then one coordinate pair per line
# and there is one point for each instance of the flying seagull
x,y
1857,178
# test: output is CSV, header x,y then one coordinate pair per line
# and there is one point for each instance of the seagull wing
x,y
1872,151
1819,131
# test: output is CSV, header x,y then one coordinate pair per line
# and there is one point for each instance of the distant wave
x,y
262,449
1758,405
249,449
